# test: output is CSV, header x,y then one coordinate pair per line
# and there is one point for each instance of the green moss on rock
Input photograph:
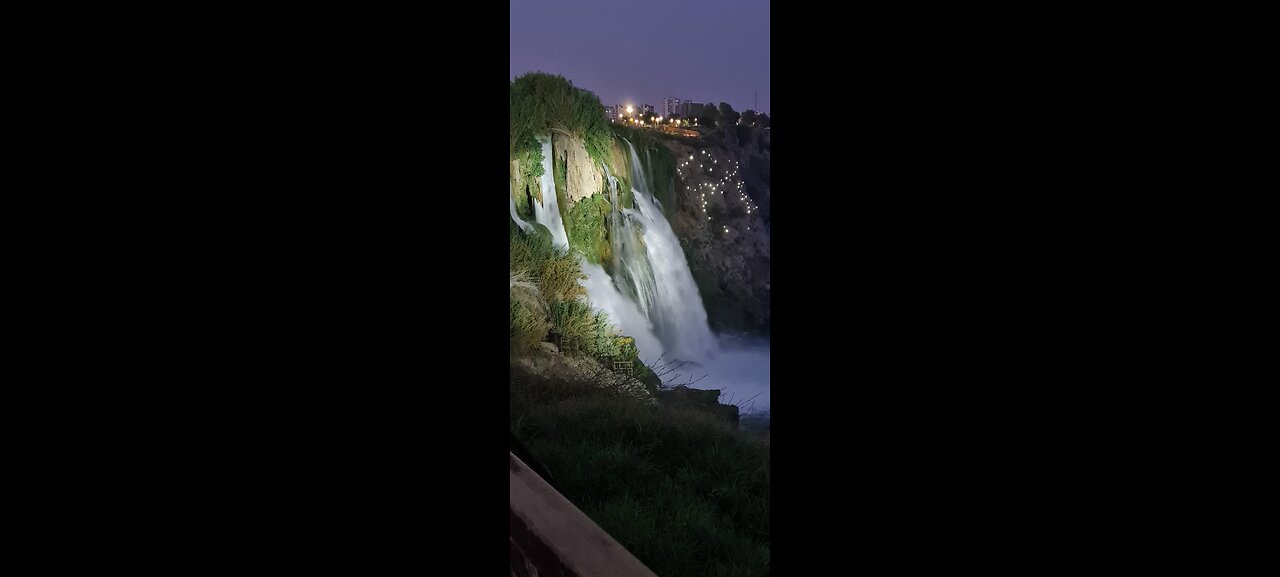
x,y
586,223
559,171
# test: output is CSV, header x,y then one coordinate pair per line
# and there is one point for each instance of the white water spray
x,y
526,227
547,212
605,296
674,308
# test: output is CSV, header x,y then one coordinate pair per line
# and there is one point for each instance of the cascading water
x,y
547,212
652,296
622,310
659,275
528,228
630,263
614,244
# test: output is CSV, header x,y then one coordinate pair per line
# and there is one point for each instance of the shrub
x,y
591,332
542,103
587,222
528,154
528,324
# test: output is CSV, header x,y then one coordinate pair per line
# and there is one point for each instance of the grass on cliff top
x,y
680,489
542,103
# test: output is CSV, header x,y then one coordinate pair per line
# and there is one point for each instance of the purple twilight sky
x,y
641,52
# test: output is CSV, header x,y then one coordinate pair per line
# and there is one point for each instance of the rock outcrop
x,y
550,364
706,400
582,175
726,240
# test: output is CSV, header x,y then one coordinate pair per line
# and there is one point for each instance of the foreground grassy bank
x,y
679,488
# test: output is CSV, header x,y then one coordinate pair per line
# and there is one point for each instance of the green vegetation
x,y
528,153
728,114
589,331
710,116
587,225
547,297
555,272
523,209
559,175
561,178
528,312
677,487
542,103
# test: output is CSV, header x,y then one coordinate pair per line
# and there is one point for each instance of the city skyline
x,y
706,51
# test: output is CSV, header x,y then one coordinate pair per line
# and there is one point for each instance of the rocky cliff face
x,y
721,217
583,177
750,147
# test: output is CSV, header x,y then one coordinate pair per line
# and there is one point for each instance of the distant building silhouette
x,y
672,106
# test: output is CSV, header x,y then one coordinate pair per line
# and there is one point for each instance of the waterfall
x,y
630,263
654,269
614,244
528,228
651,295
547,212
622,310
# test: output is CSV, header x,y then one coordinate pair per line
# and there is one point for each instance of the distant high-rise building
x,y
693,109
611,113
646,109
672,106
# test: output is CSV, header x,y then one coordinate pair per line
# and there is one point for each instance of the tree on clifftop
x,y
710,116
727,114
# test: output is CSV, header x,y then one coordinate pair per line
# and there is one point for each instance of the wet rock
x,y
702,399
